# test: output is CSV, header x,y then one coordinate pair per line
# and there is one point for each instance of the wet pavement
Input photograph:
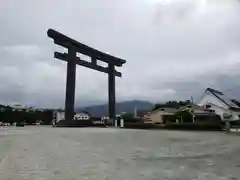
x,y
46,153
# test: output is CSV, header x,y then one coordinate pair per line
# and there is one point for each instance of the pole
x,y
228,126
192,99
111,93
70,85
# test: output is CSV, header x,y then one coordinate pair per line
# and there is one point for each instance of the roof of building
x,y
220,95
194,107
167,109
198,110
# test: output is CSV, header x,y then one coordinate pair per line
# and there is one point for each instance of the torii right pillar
x,y
111,93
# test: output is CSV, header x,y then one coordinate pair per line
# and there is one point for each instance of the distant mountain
x,y
127,106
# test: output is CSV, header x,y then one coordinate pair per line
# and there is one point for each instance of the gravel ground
x,y
46,153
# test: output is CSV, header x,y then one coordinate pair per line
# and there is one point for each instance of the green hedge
x,y
185,126
65,123
235,123
194,126
10,116
20,124
142,126
76,123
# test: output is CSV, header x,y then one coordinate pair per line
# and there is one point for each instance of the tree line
x,y
11,115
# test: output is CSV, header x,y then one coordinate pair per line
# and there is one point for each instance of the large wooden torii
x,y
72,60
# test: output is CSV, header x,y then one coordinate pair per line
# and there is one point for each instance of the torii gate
x,y
72,59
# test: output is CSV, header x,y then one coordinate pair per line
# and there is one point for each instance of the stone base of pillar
x,y
228,126
115,123
121,123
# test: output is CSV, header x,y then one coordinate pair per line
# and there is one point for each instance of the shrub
x,y
75,123
140,125
186,116
185,126
20,124
130,118
194,126
235,123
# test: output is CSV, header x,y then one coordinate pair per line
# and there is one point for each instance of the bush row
x,y
185,126
86,123
194,126
10,116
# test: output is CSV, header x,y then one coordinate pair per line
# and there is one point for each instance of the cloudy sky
x,y
174,49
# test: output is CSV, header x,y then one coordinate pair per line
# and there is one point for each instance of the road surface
x,y
46,153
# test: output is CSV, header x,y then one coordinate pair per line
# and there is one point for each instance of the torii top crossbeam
x,y
67,42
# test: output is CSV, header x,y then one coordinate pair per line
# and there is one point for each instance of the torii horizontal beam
x,y
92,65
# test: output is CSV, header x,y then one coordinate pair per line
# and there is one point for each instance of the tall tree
x,y
172,104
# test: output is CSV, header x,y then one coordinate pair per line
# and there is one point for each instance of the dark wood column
x,y
111,93
70,85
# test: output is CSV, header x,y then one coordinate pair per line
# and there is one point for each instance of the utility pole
x,y
192,99
135,112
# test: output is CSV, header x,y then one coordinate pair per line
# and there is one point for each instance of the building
x,y
60,115
162,115
199,113
82,116
220,104
196,114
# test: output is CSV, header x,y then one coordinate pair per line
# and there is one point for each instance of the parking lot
x,y
46,153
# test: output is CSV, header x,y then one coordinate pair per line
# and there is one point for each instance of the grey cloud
x,y
228,84
174,49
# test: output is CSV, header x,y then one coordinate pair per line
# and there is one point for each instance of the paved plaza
x,y
46,153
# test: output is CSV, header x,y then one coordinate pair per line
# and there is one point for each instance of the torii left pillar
x,y
70,85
